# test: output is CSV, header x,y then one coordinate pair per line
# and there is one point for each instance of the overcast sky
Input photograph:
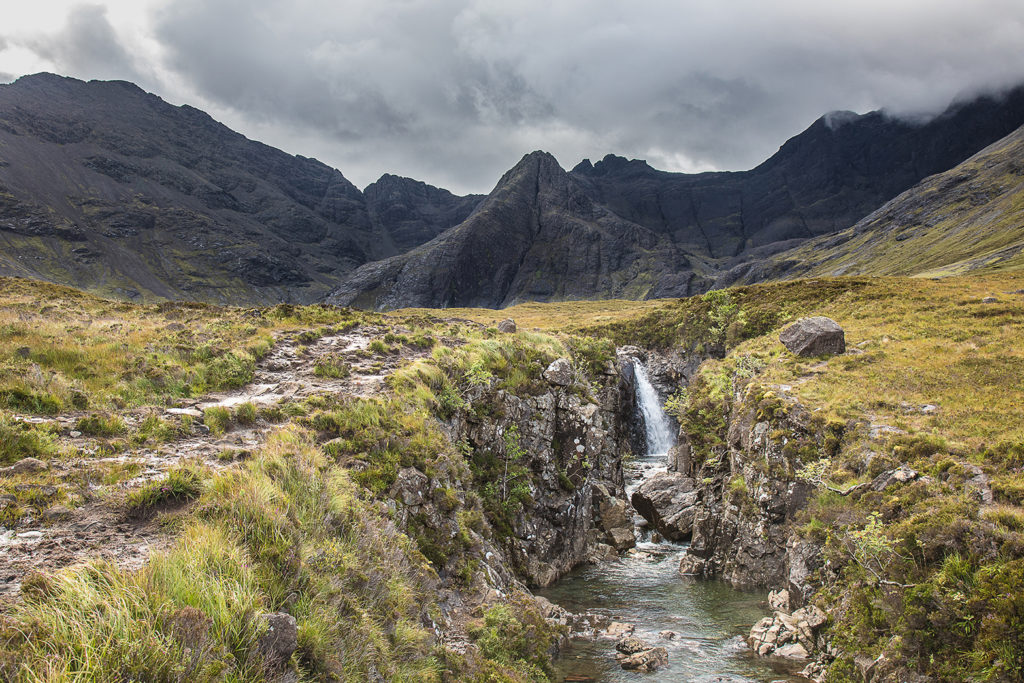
x,y
455,92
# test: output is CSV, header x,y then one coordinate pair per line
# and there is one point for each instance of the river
x,y
708,618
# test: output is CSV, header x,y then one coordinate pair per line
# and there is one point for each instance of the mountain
x,y
106,187
968,218
537,236
619,228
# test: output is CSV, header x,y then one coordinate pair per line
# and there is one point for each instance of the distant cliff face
x,y
620,228
106,187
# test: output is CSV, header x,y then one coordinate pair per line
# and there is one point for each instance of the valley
x,y
410,480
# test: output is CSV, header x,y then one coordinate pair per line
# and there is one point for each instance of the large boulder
x,y
680,456
817,336
508,326
616,521
668,502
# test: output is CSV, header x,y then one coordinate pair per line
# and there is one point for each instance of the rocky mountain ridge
x,y
622,229
964,219
109,188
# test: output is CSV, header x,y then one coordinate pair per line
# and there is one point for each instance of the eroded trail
x,y
85,515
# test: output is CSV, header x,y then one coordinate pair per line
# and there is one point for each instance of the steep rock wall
x,y
750,494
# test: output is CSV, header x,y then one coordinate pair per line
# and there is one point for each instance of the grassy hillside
x,y
931,381
968,218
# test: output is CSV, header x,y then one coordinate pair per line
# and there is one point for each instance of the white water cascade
x,y
656,422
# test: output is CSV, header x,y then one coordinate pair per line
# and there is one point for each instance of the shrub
x,y
183,483
217,418
101,425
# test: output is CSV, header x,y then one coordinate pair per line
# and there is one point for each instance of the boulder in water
x,y
646,661
615,519
668,502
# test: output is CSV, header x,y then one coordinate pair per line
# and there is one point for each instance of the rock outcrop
x,y
748,495
572,443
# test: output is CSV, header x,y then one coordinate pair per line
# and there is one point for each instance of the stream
x,y
709,618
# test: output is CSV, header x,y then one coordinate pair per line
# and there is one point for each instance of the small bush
x,y
182,484
101,425
245,413
217,418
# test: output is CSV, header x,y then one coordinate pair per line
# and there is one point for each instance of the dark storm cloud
x,y
455,92
88,45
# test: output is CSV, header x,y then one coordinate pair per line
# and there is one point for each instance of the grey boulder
x,y
817,336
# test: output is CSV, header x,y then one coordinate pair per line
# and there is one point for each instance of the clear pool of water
x,y
709,618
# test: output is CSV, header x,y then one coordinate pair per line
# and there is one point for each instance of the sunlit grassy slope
x,y
924,341
968,218
563,315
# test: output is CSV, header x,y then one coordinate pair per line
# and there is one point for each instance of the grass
x,y
286,532
931,361
22,440
182,484
297,526
333,366
75,351
101,425
217,418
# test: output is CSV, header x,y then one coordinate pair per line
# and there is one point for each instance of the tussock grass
x,y
217,418
183,483
286,532
21,440
101,425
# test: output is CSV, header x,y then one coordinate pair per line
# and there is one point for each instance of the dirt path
x,y
64,535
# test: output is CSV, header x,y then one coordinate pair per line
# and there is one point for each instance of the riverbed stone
x,y
668,502
616,520
646,661
617,629
779,600
630,645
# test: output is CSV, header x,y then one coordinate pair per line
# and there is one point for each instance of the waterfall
x,y
656,422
